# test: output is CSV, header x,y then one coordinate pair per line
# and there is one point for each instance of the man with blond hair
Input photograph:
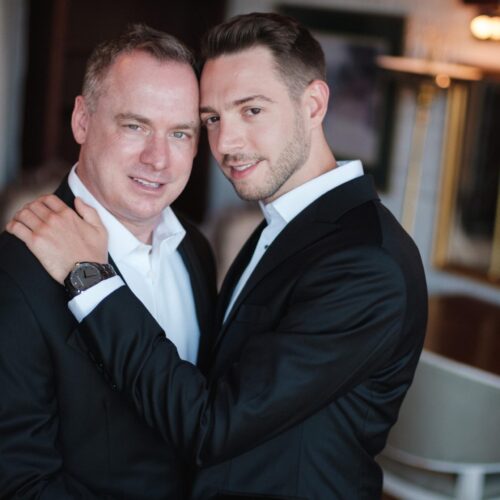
x,y
65,430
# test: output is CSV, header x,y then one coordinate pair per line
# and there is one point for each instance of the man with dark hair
x,y
321,317
297,56
65,430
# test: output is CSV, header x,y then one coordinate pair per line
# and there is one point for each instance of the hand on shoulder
x,y
58,236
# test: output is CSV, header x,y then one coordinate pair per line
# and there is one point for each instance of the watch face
x,y
85,276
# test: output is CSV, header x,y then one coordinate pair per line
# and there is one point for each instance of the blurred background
x,y
415,94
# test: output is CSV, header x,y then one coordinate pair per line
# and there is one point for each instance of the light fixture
x,y
485,27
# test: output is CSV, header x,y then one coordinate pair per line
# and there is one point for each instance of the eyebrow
x,y
134,117
147,121
238,102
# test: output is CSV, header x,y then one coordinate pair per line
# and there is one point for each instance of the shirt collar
x,y
286,207
121,242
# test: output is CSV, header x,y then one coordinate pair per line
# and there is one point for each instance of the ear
x,y
80,120
316,100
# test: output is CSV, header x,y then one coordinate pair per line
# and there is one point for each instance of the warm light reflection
x,y
442,80
486,27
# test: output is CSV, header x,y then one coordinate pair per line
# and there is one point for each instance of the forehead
x,y
138,76
249,72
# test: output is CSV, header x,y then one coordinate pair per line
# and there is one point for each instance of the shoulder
x,y
20,267
14,254
362,266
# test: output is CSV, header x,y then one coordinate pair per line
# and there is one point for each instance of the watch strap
x,y
75,287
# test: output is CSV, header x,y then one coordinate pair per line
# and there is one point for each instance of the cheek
x,y
277,138
121,144
181,161
111,151
264,143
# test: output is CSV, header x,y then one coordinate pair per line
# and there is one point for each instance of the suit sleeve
x,y
342,322
30,463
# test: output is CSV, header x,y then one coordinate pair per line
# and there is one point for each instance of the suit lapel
x,y
193,265
64,192
201,293
234,272
312,224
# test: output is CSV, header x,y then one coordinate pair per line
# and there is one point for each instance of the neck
x,y
320,160
143,233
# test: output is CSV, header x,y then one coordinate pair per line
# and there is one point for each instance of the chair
x,y
446,443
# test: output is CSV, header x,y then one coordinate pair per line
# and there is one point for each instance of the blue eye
x,y
179,135
133,126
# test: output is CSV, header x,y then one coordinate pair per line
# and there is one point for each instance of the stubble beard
x,y
292,158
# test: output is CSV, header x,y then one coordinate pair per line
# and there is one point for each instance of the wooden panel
x,y
465,329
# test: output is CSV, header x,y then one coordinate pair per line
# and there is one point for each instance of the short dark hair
x,y
158,44
298,56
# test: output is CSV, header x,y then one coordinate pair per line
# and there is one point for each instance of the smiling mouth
x,y
244,166
145,183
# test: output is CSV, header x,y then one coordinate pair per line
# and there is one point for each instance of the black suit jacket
x,y
310,368
65,430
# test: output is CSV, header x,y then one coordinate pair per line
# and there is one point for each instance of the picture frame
x,y
360,119
467,233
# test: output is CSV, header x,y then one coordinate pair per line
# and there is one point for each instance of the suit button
x,y
100,365
114,387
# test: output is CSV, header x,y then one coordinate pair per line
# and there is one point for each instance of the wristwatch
x,y
85,275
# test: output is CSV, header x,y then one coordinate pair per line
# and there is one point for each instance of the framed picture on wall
x,y
360,117
467,237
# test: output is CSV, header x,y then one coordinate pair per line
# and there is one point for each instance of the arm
x,y
30,463
339,327
341,323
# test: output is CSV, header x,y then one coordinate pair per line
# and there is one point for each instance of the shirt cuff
x,y
84,303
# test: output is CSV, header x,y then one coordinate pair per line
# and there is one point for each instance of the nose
x,y
155,152
229,138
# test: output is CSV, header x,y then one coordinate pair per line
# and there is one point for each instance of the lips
x,y
245,166
240,170
146,183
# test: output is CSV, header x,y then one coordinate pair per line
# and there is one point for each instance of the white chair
x,y
446,443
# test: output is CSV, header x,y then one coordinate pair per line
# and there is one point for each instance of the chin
x,y
255,194
249,196
143,214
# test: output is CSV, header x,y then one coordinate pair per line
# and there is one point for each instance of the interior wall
x,y
12,66
424,38
425,20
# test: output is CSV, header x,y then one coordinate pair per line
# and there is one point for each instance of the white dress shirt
x,y
282,210
155,273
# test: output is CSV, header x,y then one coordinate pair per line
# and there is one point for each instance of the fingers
x,y
34,214
52,202
19,230
30,216
58,236
88,213
38,209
